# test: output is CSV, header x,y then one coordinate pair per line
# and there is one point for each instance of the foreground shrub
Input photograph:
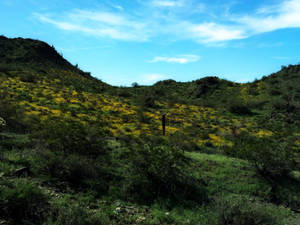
x,y
22,201
160,171
245,211
66,212
70,137
77,171
271,157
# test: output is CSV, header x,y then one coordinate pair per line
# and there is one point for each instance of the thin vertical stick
x,y
164,124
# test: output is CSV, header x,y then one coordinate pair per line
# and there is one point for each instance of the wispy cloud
x,y
275,17
167,3
270,45
101,24
182,59
281,57
148,79
211,32
76,49
181,22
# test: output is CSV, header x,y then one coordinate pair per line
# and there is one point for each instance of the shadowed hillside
x,y
75,150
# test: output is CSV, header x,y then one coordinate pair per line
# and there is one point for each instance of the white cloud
x,y
182,59
184,21
167,3
284,15
148,79
243,80
211,32
266,19
119,7
101,17
101,24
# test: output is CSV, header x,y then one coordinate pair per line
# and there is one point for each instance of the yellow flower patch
x,y
263,133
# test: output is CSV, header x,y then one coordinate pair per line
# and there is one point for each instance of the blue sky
x,y
126,41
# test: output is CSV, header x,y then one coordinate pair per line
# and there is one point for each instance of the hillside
x,y
95,154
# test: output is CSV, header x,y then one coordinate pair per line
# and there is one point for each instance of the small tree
x,y
271,157
161,172
134,84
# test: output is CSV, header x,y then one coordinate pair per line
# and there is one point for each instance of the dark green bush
x,y
275,92
206,84
271,156
245,211
145,99
76,171
46,163
28,77
13,114
67,212
279,104
22,201
160,171
71,137
240,109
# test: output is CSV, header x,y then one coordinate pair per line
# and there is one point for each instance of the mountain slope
x,y
31,53
75,150
208,111
33,60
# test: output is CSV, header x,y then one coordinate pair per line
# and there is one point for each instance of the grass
x,y
229,175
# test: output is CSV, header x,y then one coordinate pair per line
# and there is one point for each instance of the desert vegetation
x,y
74,150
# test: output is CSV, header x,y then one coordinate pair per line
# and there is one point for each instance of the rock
x,y
118,209
117,203
140,219
3,222
2,122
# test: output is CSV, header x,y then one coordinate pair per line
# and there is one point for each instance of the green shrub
x,y
146,99
240,109
28,77
160,171
279,104
271,156
205,85
76,171
275,92
70,137
66,212
22,201
246,211
47,163
13,114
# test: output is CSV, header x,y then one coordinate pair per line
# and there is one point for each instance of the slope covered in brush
x,y
207,112
33,60
75,150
